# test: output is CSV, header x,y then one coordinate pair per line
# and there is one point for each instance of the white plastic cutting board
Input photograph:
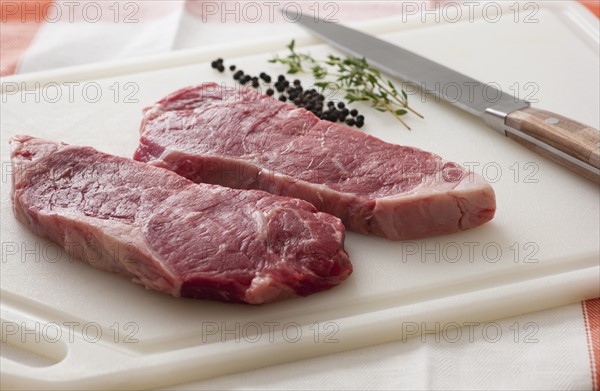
x,y
68,325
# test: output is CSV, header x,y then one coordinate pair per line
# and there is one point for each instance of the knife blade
x,y
566,141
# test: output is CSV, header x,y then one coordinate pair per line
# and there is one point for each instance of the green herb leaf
x,y
355,76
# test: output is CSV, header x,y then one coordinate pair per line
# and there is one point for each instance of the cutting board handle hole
x,y
27,345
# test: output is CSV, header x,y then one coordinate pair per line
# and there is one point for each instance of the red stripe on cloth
x,y
20,22
593,6
591,319
15,38
24,11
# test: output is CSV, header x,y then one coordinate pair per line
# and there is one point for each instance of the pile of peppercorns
x,y
294,93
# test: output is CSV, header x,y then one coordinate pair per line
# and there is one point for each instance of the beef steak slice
x,y
171,235
239,138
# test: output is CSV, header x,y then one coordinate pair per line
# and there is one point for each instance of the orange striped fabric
x,y
593,6
20,21
591,319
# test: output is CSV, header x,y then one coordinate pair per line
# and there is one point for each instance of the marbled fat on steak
x,y
242,139
171,235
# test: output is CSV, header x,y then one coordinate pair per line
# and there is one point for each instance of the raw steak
x,y
242,139
171,235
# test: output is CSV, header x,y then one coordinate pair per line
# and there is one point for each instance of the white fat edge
x,y
435,184
264,288
162,158
153,111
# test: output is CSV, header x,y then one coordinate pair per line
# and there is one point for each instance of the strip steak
x,y
240,138
171,235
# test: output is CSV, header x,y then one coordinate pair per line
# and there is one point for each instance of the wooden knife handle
x,y
571,137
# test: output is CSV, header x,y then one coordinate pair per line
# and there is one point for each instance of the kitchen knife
x,y
567,142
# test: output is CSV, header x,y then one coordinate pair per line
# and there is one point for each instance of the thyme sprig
x,y
354,76
294,59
